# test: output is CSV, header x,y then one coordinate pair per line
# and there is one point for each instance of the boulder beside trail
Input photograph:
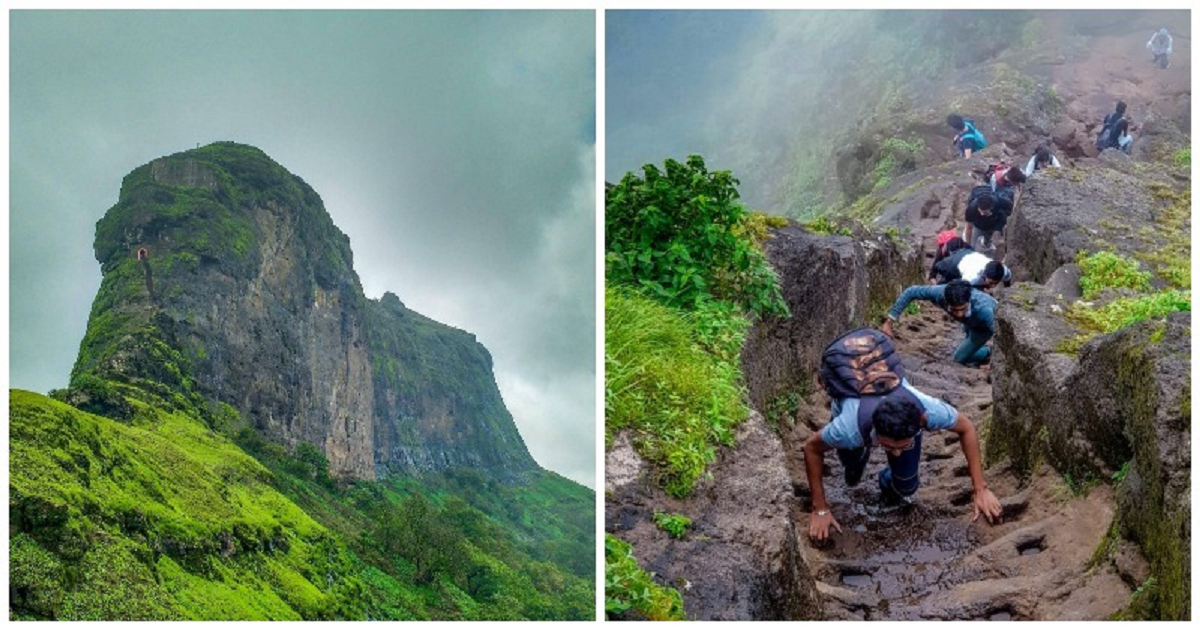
x,y
740,558
1120,410
831,284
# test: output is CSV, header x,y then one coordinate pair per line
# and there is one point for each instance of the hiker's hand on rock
x,y
987,504
886,327
818,525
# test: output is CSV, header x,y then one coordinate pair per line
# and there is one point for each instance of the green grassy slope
x,y
161,518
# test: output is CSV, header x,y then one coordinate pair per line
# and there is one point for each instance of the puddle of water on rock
x,y
1032,551
857,581
1000,616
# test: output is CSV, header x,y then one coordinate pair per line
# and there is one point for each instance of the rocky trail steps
x,y
929,560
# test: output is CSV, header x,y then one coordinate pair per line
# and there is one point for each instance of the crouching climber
x,y
967,139
977,269
872,403
1042,158
1160,46
974,309
987,213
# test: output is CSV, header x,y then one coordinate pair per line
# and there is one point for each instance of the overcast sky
x,y
455,149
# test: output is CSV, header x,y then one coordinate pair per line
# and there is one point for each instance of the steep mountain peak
x,y
229,293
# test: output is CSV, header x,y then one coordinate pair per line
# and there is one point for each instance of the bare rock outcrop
x,y
830,283
257,321
740,559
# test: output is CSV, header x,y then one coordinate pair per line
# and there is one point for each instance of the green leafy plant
x,y
628,587
1125,312
680,235
824,225
1183,157
673,378
781,410
1120,313
676,525
895,155
1104,270
1120,474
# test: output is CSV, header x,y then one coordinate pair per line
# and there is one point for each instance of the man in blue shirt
x,y
896,425
975,309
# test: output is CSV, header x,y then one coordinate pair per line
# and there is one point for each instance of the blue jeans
x,y
973,349
900,476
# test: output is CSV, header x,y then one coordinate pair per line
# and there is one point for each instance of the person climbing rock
x,y
1003,175
1114,131
975,310
1160,46
1042,158
977,269
967,139
948,243
871,403
987,213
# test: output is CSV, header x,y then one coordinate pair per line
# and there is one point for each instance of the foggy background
x,y
770,95
455,149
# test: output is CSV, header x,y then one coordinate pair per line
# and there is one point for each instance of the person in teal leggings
x,y
975,309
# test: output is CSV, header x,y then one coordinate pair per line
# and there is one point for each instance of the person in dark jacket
x,y
976,311
987,213
1114,131
952,247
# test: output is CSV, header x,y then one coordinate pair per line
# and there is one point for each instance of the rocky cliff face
x,y
1120,406
229,291
831,284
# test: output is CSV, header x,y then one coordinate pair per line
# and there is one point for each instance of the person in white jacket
x,y
1160,45
1042,158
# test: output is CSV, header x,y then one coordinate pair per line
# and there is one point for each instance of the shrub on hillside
x,y
679,235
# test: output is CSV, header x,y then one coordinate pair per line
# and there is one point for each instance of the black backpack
x,y
1107,139
861,363
1005,197
978,192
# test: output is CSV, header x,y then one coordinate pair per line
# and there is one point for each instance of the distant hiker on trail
x,y
1005,175
987,213
1000,174
948,242
974,309
1160,45
977,269
1042,158
968,139
1114,132
871,403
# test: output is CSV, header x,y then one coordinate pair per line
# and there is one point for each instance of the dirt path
x,y
929,561
1118,66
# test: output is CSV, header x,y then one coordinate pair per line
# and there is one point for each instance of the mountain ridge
x,y
217,255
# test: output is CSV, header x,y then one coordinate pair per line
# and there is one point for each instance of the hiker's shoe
x,y
888,496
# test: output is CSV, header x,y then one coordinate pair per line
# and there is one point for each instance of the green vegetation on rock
x,y
630,592
676,525
673,379
684,268
1106,270
679,234
135,495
